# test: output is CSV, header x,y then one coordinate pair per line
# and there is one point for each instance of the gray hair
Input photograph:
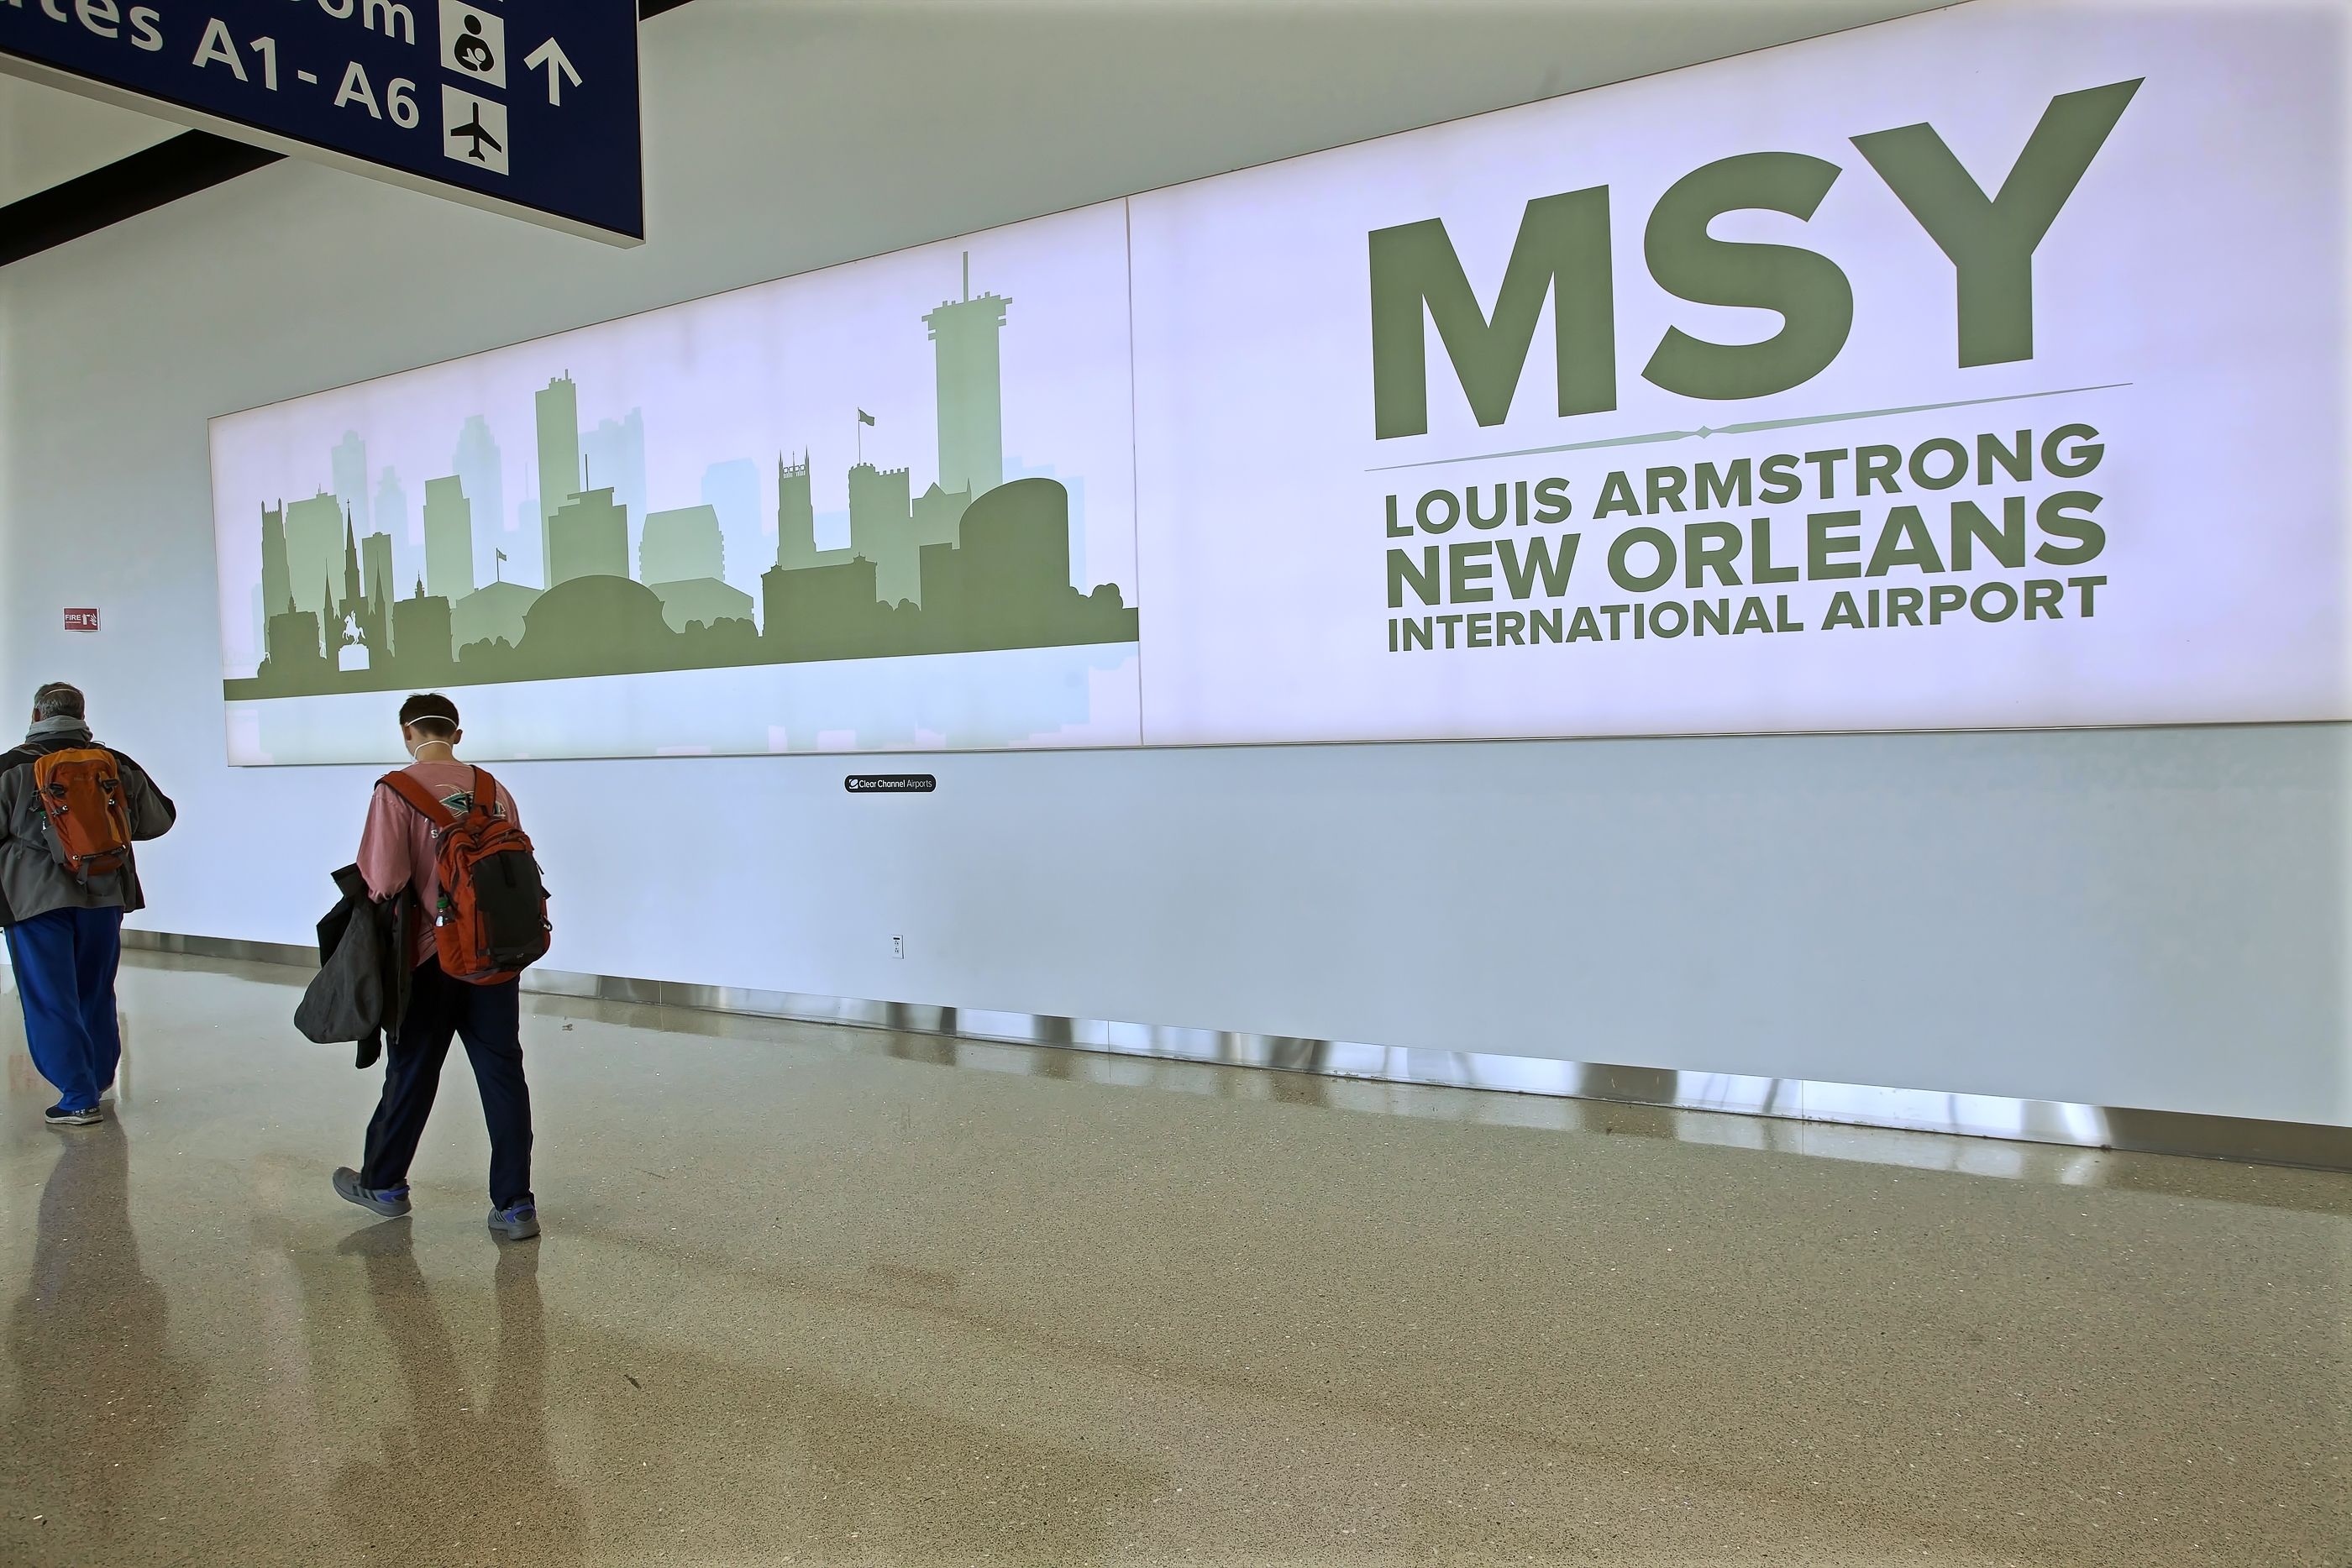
x,y
58,700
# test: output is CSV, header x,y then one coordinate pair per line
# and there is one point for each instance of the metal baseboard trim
x,y
2055,1122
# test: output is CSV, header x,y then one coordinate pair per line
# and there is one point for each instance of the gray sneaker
x,y
516,1221
390,1202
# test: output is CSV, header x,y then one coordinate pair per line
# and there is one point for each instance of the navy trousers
x,y
488,1018
65,963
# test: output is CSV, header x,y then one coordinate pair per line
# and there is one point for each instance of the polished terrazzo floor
x,y
823,1296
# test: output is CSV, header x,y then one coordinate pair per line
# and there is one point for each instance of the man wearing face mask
x,y
398,851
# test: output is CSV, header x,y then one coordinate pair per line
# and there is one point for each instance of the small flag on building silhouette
x,y
864,417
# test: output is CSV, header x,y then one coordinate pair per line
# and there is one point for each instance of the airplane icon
x,y
474,131
479,134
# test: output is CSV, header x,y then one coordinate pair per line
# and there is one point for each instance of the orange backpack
x,y
81,796
491,924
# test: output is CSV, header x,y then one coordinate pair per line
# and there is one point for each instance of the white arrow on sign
x,y
559,65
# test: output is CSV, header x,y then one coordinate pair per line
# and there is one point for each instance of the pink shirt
x,y
396,849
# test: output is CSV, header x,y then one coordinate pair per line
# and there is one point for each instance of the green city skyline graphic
x,y
974,563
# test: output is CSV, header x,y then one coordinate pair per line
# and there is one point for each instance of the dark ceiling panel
x,y
191,161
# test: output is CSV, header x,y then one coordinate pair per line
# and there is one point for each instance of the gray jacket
x,y
360,991
33,881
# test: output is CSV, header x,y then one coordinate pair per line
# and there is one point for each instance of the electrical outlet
x,y
898,946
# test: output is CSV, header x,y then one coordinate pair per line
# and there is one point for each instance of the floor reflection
x,y
98,1396
24,1078
810,1298
477,1484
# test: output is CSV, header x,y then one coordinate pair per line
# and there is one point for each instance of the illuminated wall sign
x,y
1880,381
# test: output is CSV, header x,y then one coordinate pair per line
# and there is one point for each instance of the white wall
x,y
2149,918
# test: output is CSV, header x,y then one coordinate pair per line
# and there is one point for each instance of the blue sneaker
x,y
516,1221
58,1116
389,1202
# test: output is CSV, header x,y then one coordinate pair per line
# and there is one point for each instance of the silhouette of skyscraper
x,y
477,463
557,407
731,489
796,516
530,524
882,529
314,543
970,398
614,456
390,510
449,538
681,544
351,469
588,537
276,586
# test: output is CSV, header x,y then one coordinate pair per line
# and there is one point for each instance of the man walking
x,y
69,810
410,822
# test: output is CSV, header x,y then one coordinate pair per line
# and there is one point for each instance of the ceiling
x,y
47,137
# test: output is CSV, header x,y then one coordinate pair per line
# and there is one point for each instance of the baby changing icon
x,y
473,43
471,52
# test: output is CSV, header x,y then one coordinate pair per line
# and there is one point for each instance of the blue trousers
x,y
65,962
488,1018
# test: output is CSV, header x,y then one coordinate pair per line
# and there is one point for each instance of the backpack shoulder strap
x,y
486,792
417,795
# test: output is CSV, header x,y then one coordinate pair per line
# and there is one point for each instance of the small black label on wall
x,y
890,783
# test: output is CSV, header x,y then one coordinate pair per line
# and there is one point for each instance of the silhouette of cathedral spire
x,y
352,595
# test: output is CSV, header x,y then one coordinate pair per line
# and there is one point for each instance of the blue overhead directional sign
x,y
522,106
